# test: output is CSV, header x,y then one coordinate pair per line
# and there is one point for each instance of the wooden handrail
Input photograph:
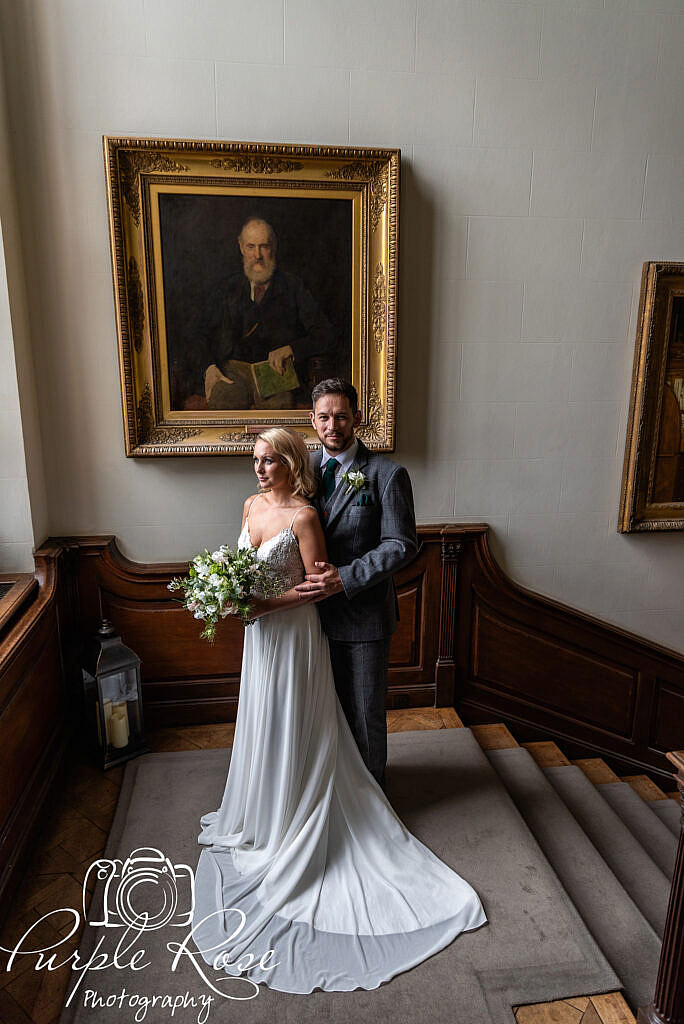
x,y
15,590
668,1002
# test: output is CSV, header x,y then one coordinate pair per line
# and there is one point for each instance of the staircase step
x,y
633,800
625,936
658,801
493,737
596,770
670,815
648,886
449,718
643,823
546,753
645,787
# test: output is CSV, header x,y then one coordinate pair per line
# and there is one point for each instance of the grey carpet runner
x,y
626,937
534,948
629,861
669,813
645,826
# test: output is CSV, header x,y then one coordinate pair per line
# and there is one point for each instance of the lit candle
x,y
107,705
119,729
121,710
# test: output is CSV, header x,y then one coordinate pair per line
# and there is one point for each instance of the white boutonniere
x,y
354,480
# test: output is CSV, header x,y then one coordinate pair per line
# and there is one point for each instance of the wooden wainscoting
x,y
37,700
549,671
188,681
469,637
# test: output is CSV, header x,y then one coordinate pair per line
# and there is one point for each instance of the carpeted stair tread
x,y
669,813
625,936
645,826
648,886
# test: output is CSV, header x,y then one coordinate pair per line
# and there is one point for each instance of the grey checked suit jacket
x,y
370,534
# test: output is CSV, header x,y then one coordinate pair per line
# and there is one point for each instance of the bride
x,y
305,856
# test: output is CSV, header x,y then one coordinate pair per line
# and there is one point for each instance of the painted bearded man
x,y
267,317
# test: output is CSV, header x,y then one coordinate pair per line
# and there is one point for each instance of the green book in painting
x,y
269,383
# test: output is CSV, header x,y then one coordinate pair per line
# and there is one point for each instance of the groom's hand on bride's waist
x,y
319,585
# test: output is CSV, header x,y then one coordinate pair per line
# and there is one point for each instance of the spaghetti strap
x,y
297,513
250,505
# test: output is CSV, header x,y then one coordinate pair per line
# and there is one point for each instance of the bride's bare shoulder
x,y
247,505
306,518
306,513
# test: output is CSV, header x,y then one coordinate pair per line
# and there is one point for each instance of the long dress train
x,y
305,844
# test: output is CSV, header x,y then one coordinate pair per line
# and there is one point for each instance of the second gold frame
x,y
652,493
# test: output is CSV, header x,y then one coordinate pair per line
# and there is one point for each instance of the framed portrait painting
x,y
652,496
244,273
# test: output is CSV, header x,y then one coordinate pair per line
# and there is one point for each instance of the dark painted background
x,y
200,250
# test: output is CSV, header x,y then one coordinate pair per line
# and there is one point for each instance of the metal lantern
x,y
113,696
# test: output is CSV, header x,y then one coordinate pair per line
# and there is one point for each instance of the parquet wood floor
x,y
75,833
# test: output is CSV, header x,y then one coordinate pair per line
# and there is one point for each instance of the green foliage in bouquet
x,y
222,583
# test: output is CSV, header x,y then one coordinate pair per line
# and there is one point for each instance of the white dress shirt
x,y
344,460
263,284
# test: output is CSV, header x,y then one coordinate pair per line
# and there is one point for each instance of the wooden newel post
x,y
445,669
668,1002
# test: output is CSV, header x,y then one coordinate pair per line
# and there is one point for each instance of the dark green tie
x,y
329,477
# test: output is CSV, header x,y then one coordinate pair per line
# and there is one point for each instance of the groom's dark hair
x,y
336,386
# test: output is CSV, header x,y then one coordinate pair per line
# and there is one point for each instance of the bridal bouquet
x,y
221,583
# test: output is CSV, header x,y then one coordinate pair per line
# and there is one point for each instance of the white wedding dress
x,y
305,843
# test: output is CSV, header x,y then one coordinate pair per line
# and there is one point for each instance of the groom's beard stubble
x,y
340,445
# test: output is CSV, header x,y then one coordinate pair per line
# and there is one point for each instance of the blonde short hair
x,y
291,448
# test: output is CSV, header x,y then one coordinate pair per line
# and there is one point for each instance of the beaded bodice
x,y
282,554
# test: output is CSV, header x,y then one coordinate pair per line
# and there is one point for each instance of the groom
x,y
366,507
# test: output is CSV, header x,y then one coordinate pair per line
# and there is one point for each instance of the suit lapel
x,y
343,495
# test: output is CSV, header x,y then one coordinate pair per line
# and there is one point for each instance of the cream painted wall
x,y
16,535
23,504
542,164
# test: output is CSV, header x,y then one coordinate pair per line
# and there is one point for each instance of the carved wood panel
x,y
36,711
561,679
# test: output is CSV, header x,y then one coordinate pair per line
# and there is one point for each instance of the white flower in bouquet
x,y
220,584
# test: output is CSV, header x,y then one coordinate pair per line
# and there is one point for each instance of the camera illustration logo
x,y
146,891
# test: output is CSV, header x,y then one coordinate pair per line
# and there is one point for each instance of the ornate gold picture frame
x,y
243,274
652,496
